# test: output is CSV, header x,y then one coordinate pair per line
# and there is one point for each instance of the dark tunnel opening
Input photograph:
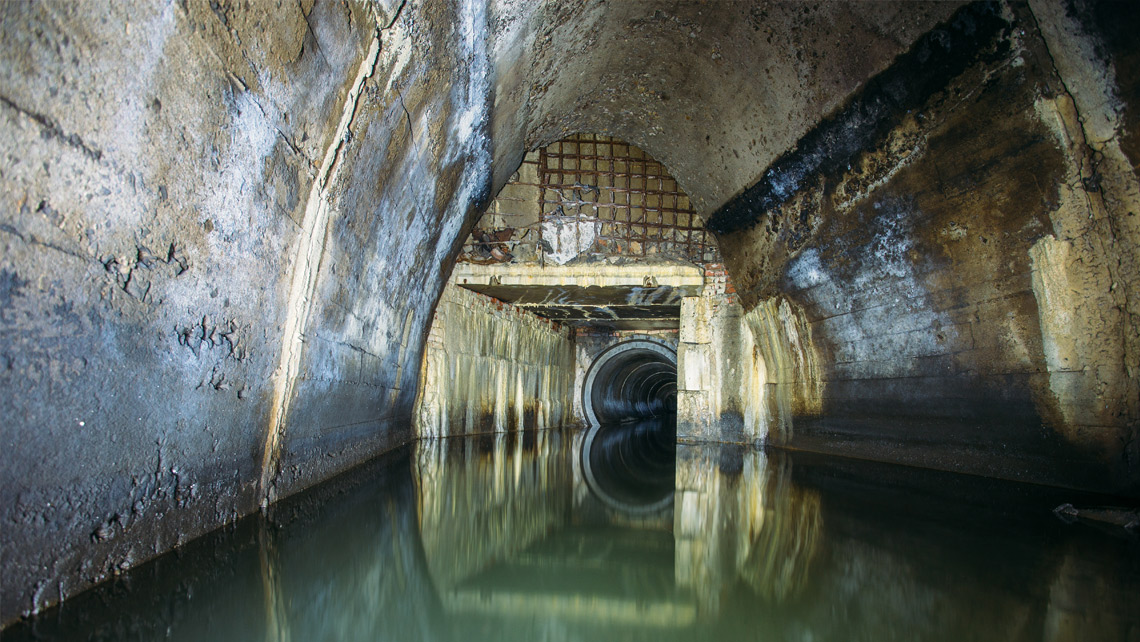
x,y
629,454
631,381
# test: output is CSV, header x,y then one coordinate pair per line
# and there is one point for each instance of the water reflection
x,y
483,499
502,537
739,517
631,466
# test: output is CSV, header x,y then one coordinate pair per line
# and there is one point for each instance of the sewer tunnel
x,y
629,453
927,277
630,381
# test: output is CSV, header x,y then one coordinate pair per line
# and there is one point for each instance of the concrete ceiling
x,y
715,91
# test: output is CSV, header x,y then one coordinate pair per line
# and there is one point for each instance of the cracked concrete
x,y
305,268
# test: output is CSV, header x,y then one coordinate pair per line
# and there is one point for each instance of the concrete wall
x,y
492,367
952,280
224,229
721,370
785,377
141,319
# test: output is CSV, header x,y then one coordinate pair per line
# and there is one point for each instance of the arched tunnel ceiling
x,y
220,216
716,91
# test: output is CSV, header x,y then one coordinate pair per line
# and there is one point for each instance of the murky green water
x,y
511,538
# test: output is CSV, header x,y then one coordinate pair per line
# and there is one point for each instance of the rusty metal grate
x,y
630,202
640,209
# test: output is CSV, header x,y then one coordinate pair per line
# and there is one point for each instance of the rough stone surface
x,y
143,144
218,222
966,281
737,84
784,377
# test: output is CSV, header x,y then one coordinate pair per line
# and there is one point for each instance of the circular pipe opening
x,y
630,381
630,398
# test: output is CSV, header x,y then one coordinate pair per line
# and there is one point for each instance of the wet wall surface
x,y
220,249
498,537
940,273
492,367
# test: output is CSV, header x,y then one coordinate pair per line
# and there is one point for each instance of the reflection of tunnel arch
x,y
631,380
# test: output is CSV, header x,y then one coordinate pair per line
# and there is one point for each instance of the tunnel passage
x,y
630,398
631,380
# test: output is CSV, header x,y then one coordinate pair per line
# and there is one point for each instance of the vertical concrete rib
x,y
306,267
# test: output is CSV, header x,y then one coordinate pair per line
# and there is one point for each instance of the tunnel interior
x,y
229,236
629,453
632,381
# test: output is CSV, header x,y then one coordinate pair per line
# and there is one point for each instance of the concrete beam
x,y
590,275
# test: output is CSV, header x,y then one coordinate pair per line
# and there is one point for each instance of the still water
x,y
556,536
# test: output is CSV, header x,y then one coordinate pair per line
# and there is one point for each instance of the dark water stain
x,y
971,35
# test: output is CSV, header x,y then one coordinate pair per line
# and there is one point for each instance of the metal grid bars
x,y
639,209
610,197
510,229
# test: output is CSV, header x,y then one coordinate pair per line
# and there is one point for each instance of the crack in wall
x,y
51,130
306,268
1088,132
1085,166
31,239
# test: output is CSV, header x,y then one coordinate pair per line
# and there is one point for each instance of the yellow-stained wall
x,y
492,367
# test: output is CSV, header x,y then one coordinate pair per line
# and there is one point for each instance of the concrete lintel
x,y
590,275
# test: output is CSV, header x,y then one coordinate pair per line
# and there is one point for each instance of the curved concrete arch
x,y
746,67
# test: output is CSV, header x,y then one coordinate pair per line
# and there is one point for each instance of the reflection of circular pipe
x,y
631,380
631,466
